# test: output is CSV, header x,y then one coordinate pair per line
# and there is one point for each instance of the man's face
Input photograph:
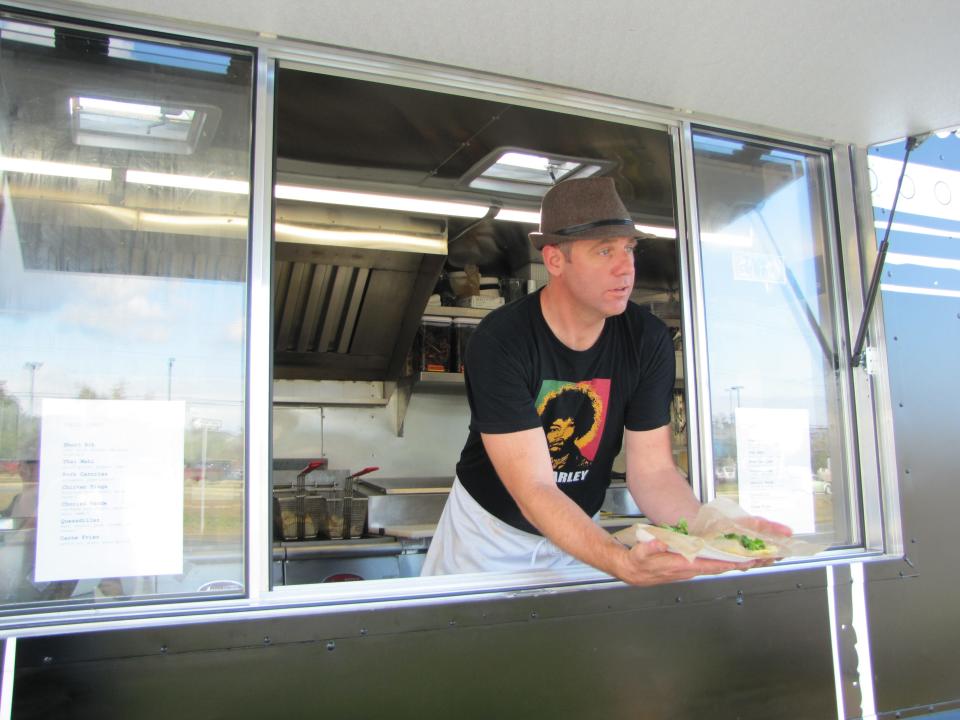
x,y
599,273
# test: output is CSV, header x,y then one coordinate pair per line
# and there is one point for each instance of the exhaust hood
x,y
347,309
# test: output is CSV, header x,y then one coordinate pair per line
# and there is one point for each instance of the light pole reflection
x,y
734,389
32,367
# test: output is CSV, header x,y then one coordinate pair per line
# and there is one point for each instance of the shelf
x,y
455,312
441,379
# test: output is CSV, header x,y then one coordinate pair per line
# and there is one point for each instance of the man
x,y
556,382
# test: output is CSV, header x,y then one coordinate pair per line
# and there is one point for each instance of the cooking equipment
x,y
319,508
406,508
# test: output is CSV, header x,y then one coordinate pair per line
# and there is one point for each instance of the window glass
x,y
775,380
124,169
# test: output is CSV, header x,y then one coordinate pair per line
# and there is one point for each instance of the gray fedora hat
x,y
584,208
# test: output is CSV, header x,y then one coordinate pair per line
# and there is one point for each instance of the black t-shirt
x,y
520,376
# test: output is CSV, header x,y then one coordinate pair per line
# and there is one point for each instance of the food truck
x,y
243,249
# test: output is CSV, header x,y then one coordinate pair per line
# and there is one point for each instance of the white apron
x,y
469,539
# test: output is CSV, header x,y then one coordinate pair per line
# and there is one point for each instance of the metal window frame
x,y
869,459
870,395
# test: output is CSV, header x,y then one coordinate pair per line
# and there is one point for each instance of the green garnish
x,y
748,542
680,527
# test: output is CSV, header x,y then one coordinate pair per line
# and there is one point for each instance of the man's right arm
x,y
522,461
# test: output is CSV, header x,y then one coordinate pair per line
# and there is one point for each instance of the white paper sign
x,y
773,465
111,489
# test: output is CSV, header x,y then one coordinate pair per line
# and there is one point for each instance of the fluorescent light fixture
x,y
382,202
128,124
363,239
528,217
56,169
26,33
188,182
402,203
301,193
658,231
193,220
527,172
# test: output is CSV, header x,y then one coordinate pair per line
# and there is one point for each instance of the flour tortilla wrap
x,y
686,545
733,546
723,516
714,520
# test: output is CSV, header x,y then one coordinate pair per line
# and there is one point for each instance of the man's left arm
x,y
658,488
654,481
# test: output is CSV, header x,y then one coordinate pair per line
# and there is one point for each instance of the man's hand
x,y
649,563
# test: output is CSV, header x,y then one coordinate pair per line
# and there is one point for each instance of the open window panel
x,y
401,219
777,389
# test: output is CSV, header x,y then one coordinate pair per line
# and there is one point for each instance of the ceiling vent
x,y
517,171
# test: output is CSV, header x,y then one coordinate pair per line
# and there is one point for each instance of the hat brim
x,y
541,240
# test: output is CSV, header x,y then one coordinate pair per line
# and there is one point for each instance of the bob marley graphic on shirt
x,y
573,415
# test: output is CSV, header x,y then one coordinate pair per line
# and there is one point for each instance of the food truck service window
x,y
125,164
153,450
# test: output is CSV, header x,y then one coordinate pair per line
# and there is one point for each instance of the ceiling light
x,y
128,124
658,231
379,201
524,172
363,239
521,216
56,169
188,182
193,220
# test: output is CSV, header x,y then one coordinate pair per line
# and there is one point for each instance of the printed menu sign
x,y
111,489
773,465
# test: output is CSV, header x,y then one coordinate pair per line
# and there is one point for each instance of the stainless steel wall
x,y
915,618
722,648
357,437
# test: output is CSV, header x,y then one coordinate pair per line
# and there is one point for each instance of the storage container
x,y
463,328
435,343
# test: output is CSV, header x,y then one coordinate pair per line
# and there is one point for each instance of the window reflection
x,y
121,300
774,372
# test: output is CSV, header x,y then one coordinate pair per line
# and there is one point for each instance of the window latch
x,y
868,359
